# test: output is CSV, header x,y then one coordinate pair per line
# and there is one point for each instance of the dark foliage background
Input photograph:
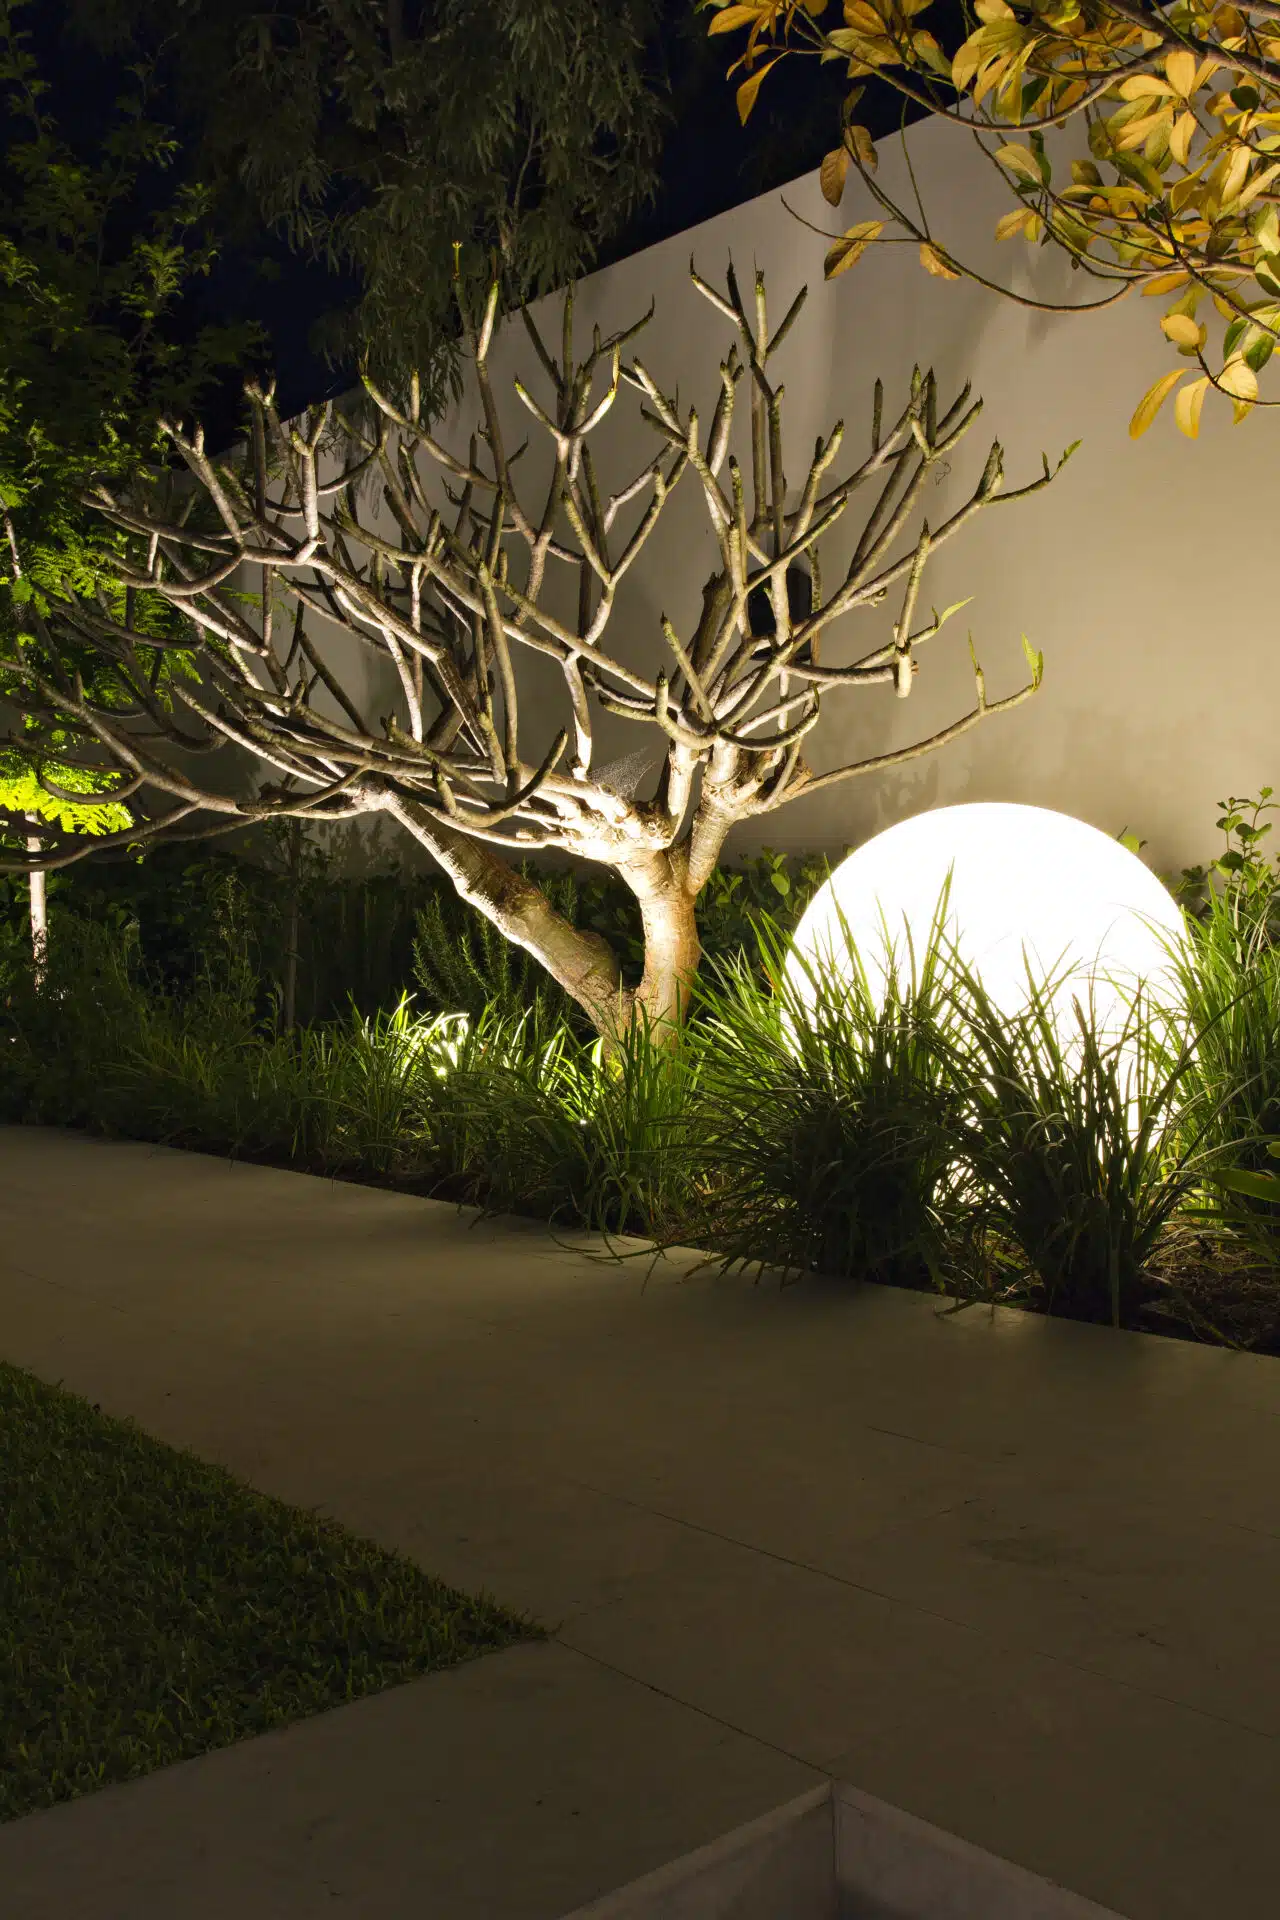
x,y
349,143
365,941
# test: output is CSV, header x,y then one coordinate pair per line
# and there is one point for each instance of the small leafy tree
x,y
70,806
91,347
1174,189
393,143
452,591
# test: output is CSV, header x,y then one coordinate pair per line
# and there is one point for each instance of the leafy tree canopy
x,y
1173,189
397,143
101,242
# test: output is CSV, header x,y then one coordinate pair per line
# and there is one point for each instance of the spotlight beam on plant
x,y
455,591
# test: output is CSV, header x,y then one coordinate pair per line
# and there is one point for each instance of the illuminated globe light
x,y
1029,889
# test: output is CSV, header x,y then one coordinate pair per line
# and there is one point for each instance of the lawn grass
x,y
152,1607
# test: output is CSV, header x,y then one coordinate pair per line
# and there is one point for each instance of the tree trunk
x,y
39,915
584,964
672,949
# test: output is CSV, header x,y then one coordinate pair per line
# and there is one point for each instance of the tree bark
x,y
672,949
583,963
39,915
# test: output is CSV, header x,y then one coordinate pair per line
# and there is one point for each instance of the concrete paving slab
x,y
497,1789
1134,1592
1014,1576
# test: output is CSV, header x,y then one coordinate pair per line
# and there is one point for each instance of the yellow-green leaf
x,y
1187,407
1265,227
1019,160
1234,175
1241,382
1138,132
751,86
935,262
864,149
1259,184
926,48
1152,401
1181,69
850,247
1180,138
1145,86
864,19
1165,283
729,19
831,175
1183,331
1023,220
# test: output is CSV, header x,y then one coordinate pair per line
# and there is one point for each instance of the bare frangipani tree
x,y
455,587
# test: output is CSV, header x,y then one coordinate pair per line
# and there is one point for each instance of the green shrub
x,y
825,1120
1074,1150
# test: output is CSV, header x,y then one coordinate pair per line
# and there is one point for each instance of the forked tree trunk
x,y
582,962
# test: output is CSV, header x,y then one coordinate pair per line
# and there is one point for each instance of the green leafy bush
x,y
825,1119
1074,1150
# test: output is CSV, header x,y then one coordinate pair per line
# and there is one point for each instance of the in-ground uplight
x,y
1028,888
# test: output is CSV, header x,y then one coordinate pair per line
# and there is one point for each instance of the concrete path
x,y
1019,1578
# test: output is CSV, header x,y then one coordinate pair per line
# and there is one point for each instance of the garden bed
x,y
929,1142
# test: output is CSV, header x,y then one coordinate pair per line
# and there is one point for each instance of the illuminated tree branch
x,y
443,576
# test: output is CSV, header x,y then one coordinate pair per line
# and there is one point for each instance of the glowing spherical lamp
x,y
1029,888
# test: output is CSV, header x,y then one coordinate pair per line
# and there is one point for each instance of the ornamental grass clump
x,y
1076,1148
826,1117
583,1136
1231,981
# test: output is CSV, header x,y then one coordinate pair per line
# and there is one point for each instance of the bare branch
x,y
440,582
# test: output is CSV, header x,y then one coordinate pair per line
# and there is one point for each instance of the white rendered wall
x,y
1143,572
